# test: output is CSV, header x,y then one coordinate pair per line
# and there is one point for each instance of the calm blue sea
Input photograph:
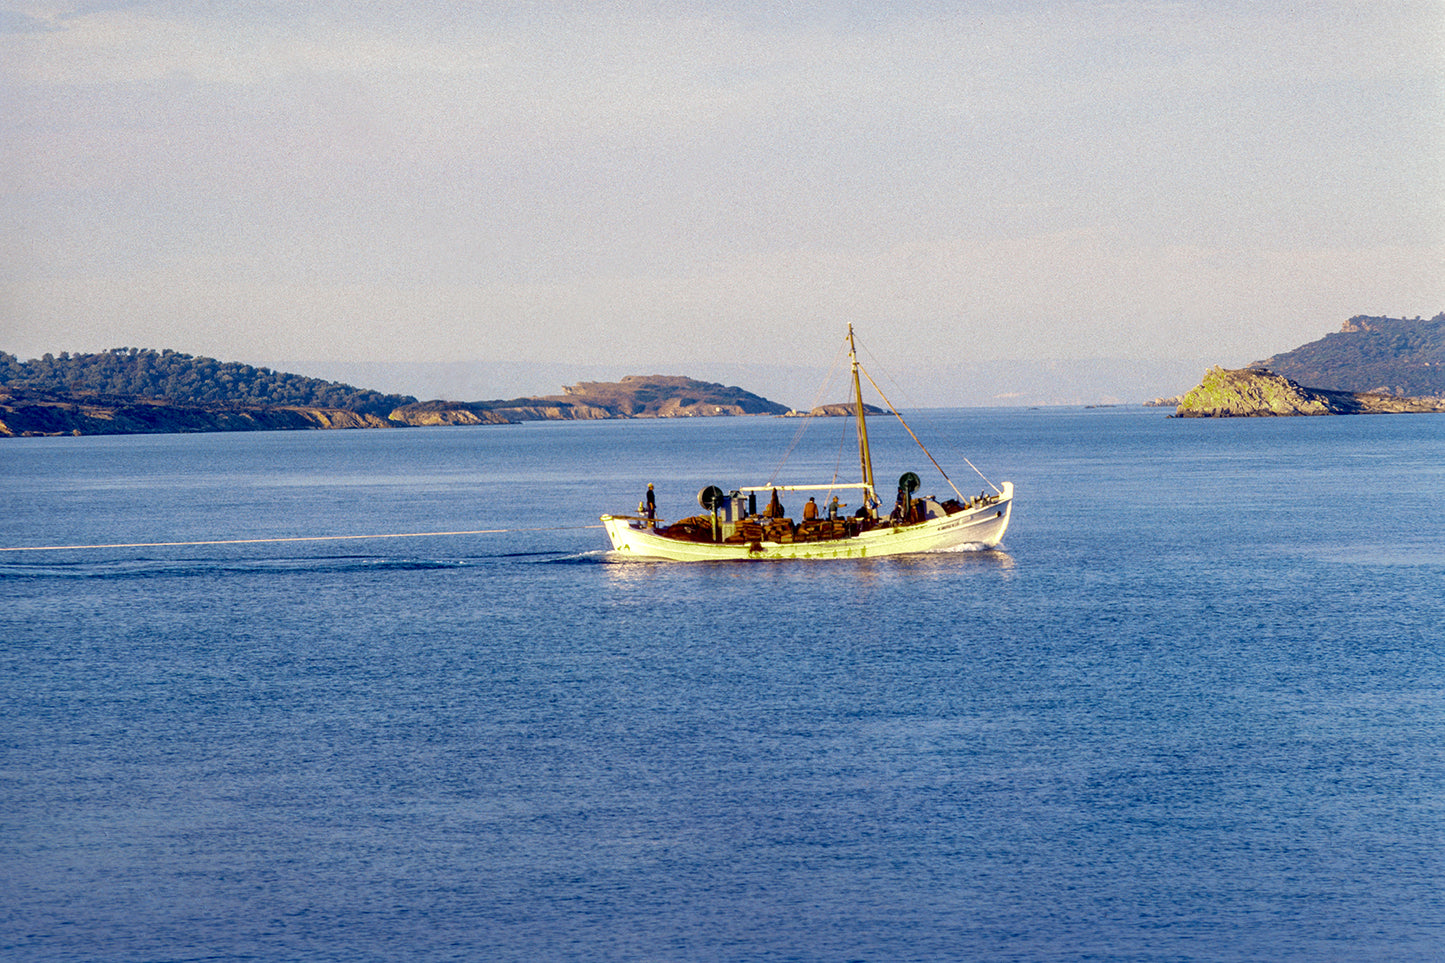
x,y
1193,709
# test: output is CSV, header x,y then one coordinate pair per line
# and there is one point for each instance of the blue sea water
x,y
1192,709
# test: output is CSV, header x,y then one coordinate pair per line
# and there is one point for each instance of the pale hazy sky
x,y
598,182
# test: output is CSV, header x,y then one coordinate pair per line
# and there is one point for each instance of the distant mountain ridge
x,y
1396,356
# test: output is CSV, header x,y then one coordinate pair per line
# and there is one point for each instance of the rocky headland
x,y
1259,392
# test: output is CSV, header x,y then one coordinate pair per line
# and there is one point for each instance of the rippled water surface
x,y
1192,709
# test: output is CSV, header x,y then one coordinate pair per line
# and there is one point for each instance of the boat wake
x,y
592,557
157,568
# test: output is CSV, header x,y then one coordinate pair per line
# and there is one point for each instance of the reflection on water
x,y
827,575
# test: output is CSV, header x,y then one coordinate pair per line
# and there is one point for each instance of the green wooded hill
x,y
185,380
1396,356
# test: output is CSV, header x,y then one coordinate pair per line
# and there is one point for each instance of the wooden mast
x,y
865,457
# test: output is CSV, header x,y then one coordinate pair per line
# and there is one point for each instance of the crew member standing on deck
x,y
810,511
902,508
651,506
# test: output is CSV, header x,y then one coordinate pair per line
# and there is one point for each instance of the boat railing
x,y
659,521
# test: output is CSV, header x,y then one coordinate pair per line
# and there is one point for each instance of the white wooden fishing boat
x,y
735,530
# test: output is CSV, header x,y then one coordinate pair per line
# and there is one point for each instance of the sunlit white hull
x,y
979,527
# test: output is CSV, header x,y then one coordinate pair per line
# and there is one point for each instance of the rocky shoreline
x,y
28,414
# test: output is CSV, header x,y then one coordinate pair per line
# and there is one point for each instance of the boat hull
x,y
981,527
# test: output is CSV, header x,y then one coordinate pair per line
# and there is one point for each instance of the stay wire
x,y
798,435
897,414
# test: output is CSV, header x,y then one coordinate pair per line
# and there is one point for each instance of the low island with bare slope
x,y
635,396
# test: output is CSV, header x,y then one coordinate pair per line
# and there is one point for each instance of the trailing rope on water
x,y
293,538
